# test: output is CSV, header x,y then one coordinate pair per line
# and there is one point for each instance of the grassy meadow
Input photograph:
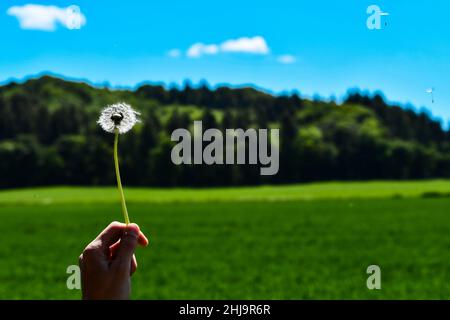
x,y
310,241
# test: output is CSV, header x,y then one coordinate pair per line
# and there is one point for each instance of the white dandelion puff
x,y
120,116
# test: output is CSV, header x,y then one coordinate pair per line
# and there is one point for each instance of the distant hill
x,y
49,135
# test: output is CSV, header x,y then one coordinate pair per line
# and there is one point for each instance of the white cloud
x,y
286,59
46,18
255,45
200,49
174,53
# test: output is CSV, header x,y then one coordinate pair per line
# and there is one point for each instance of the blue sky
x,y
315,47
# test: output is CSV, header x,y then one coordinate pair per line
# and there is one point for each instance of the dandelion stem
x,y
119,183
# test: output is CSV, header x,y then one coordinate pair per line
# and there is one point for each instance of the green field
x,y
311,241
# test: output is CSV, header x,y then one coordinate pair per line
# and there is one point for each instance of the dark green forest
x,y
49,136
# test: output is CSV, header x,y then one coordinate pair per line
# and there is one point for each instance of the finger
x,y
126,248
143,240
113,254
113,232
113,250
133,265
111,235
94,255
121,227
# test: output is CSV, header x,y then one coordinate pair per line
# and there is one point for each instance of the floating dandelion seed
x,y
118,118
431,92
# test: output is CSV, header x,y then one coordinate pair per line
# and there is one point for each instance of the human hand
x,y
108,262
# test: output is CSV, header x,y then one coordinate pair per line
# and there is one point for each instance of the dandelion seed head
x,y
120,116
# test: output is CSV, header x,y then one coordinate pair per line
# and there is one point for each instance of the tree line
x,y
49,136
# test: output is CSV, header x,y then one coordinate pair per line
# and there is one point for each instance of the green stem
x,y
119,183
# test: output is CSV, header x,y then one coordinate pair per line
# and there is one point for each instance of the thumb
x,y
127,245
